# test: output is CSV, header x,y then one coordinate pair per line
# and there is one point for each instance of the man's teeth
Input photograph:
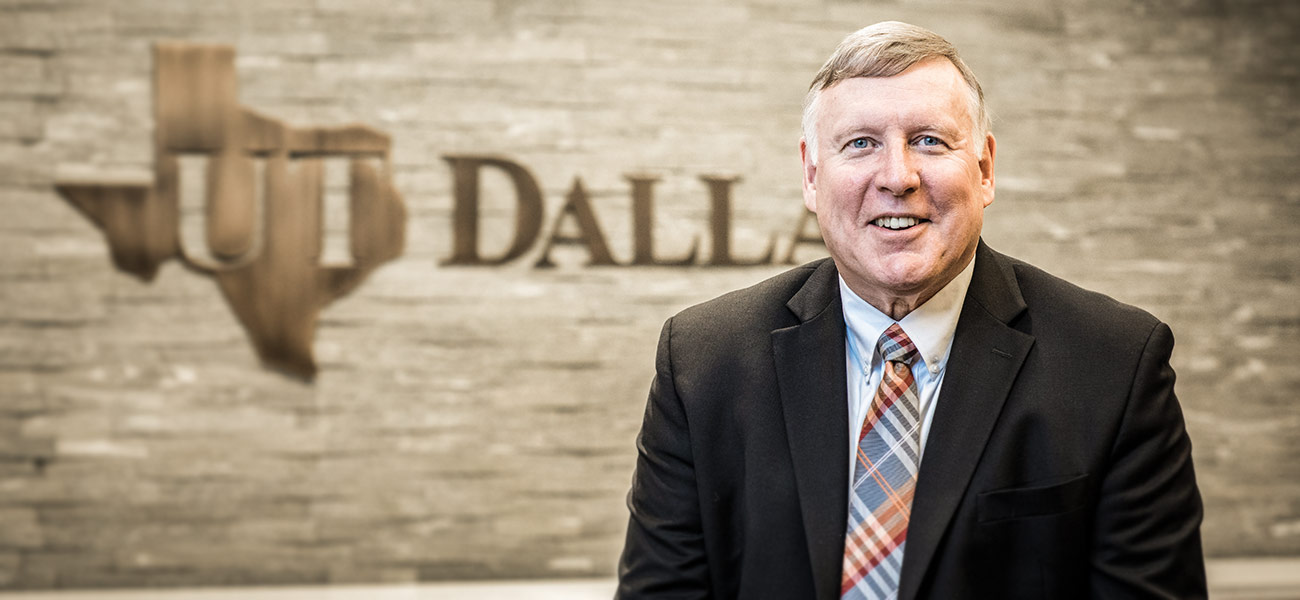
x,y
896,222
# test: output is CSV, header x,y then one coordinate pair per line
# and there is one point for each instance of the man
x,y
917,416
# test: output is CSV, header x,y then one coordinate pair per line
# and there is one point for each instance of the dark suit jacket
x,y
1057,464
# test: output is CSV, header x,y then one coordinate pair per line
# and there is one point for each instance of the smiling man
x,y
917,416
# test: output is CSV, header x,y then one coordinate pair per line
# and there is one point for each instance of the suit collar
x,y
994,285
810,369
818,292
987,354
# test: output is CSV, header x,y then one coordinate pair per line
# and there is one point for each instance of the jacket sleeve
x,y
1147,541
664,554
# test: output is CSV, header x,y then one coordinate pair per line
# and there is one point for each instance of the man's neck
x,y
895,305
898,305
897,308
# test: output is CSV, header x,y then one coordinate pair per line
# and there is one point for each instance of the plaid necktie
x,y
884,477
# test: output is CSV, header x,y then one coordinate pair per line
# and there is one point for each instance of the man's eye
x,y
929,140
860,143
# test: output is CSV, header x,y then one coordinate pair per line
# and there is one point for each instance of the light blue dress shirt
x,y
930,327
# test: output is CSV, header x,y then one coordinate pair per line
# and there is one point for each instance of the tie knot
x,y
895,346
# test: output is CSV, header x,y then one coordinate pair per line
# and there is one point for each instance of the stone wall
x,y
478,422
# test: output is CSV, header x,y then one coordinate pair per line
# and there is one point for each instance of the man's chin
x,y
901,275
878,283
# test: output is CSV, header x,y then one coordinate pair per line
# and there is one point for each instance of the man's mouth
x,y
897,223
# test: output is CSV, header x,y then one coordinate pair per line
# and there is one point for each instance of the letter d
x,y
464,216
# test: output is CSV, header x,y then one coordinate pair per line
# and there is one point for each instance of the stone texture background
x,y
479,422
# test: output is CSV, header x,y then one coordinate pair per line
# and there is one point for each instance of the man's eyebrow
x,y
853,131
947,130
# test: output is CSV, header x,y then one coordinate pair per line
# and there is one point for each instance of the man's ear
x,y
986,168
809,176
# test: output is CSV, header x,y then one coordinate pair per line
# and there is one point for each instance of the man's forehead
x,y
938,68
929,90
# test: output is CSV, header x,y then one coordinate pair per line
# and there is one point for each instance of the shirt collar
x,y
930,326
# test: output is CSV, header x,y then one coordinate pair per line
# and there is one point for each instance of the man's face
x,y
899,184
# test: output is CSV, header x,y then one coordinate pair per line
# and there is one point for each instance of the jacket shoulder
x,y
1057,307
759,308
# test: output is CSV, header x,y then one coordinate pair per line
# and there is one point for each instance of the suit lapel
x,y
810,369
986,357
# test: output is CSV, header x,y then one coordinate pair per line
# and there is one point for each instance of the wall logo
x,y
268,268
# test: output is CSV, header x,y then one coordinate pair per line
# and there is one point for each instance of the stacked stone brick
x,y
476,422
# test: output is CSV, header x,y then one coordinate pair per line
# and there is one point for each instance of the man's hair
x,y
884,50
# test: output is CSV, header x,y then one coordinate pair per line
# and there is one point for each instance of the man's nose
x,y
898,175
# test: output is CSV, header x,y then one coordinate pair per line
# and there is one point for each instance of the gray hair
x,y
884,50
